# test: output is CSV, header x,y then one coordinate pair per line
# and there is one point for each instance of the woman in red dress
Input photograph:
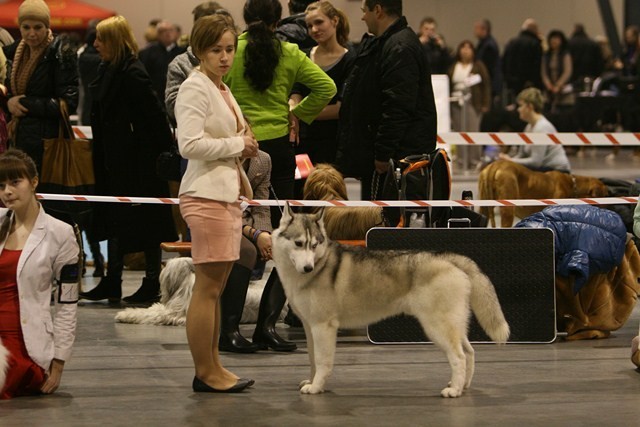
x,y
36,250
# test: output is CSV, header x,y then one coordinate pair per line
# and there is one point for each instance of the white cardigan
x,y
50,246
208,137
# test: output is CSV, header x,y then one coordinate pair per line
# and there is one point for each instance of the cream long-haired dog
x,y
326,183
176,286
4,364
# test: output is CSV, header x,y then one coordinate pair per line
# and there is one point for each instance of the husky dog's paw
x,y
311,389
303,383
450,392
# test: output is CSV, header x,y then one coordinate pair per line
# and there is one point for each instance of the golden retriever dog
x,y
504,179
326,183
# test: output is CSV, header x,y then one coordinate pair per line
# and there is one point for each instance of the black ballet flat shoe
x,y
200,386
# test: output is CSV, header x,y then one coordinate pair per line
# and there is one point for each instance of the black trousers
x,y
283,169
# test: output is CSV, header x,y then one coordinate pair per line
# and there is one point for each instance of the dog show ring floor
x,y
140,375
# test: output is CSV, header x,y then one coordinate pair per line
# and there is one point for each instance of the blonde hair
x,y
116,34
329,10
532,96
326,183
208,30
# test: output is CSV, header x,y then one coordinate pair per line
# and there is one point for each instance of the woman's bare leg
x,y
203,324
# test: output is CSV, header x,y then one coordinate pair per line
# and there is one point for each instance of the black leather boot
x,y
271,303
147,294
98,260
231,306
109,288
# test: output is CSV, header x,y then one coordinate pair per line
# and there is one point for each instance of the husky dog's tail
x,y
4,364
484,301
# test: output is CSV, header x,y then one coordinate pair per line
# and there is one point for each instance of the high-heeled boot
x,y
271,303
147,294
98,260
109,288
231,306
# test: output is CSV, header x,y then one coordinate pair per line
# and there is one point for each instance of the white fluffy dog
x,y
4,364
176,285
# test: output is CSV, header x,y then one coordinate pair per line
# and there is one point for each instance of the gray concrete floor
x,y
122,375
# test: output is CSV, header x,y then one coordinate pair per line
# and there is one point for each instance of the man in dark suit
x,y
158,54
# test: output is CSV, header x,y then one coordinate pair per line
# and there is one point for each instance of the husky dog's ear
x,y
287,213
319,215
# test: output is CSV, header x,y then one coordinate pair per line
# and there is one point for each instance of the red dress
x,y
24,376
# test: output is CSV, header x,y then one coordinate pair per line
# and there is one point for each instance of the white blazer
x,y
50,246
209,138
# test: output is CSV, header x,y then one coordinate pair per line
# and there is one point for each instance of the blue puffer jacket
x,y
588,239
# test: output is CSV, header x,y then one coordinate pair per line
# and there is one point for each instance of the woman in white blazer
x,y
38,253
212,136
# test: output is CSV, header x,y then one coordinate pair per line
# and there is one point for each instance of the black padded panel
x,y
519,262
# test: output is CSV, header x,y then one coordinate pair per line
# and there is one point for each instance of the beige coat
x,y
209,138
51,245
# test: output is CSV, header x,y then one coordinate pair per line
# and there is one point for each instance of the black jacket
x,y
586,56
293,29
156,59
88,63
130,130
488,52
388,109
522,61
54,78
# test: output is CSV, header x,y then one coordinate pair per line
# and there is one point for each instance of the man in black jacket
x,y
388,109
586,55
488,52
157,56
522,60
293,29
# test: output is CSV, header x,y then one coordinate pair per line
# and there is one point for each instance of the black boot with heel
x,y
109,288
231,305
271,303
147,294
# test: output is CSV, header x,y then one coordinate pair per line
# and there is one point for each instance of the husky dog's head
x,y
301,238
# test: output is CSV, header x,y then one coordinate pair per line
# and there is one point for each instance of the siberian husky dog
x,y
330,285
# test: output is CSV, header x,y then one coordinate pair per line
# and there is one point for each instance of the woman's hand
x,y
294,128
504,156
54,374
250,147
264,245
16,108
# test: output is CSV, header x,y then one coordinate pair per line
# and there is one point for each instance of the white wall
x,y
455,17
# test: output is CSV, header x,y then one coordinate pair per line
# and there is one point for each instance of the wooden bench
x,y
184,248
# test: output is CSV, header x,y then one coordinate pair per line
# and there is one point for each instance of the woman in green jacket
x,y
263,74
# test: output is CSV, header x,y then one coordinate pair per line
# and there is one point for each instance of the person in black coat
x,y
388,108
588,62
130,130
293,29
522,60
41,72
157,56
88,64
488,52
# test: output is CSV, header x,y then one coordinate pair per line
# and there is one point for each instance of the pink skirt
x,y
216,229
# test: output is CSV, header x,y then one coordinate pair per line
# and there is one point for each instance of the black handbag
x,y
168,164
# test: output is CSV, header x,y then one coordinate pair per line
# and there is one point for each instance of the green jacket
x,y
268,112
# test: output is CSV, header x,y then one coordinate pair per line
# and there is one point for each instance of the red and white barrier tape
x,y
507,138
361,203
